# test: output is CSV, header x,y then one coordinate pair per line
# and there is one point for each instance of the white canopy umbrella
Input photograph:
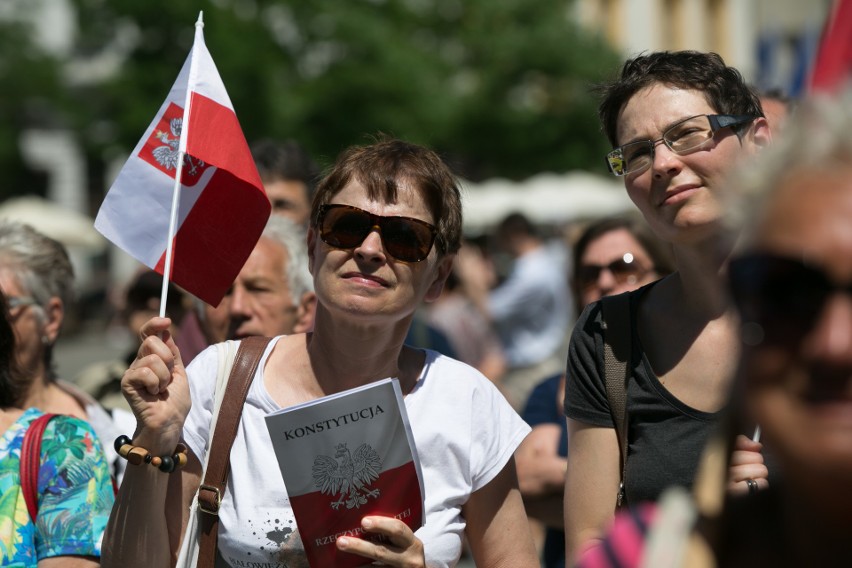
x,y
71,228
546,198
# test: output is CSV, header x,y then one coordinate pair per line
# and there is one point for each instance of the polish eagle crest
x,y
167,154
348,474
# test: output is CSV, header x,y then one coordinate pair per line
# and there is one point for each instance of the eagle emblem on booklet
x,y
348,475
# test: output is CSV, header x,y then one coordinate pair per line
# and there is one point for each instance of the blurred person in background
x,y
472,337
791,282
678,122
610,256
37,277
141,302
777,107
272,295
530,310
289,176
615,255
73,493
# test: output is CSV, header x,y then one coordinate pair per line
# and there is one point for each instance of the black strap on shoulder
x,y
616,325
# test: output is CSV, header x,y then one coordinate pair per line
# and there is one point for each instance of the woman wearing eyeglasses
x,y
38,279
791,282
58,520
678,121
385,225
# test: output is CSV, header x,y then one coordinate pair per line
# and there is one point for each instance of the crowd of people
x,y
665,387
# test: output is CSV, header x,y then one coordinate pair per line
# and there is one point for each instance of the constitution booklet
x,y
343,457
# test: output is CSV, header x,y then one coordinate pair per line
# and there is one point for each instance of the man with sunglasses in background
x,y
678,122
530,309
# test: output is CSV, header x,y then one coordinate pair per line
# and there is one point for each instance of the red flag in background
x,y
219,208
834,57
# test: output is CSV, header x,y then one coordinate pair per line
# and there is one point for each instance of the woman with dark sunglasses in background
x,y
614,255
385,227
610,256
791,282
678,122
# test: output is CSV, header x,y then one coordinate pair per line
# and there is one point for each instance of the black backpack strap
x,y
616,325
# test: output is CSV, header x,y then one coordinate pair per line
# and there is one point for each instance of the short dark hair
x,y
285,161
724,87
381,166
516,223
147,286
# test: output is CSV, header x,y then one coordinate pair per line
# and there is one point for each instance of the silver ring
x,y
752,486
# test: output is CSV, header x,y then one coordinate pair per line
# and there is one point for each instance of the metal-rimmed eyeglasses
x,y
15,303
686,136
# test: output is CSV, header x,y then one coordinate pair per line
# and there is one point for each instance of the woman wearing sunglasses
x,y
677,121
385,225
791,283
612,255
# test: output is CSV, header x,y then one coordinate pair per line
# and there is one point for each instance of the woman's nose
x,y
372,245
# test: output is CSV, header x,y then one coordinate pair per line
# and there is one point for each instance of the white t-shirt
x,y
464,431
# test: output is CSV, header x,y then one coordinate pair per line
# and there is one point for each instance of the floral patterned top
x,y
75,493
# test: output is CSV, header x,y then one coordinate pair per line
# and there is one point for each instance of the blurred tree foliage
x,y
31,96
500,87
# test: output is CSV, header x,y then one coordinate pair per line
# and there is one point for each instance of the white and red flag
x,y
199,231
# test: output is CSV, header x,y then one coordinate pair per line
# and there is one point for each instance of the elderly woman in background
x,y
73,495
37,277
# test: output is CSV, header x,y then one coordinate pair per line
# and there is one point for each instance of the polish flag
x,y
197,232
834,58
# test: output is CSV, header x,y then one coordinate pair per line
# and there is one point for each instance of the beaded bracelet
x,y
137,455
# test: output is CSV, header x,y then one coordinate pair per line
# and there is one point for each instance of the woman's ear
x,y
445,266
54,315
305,313
759,134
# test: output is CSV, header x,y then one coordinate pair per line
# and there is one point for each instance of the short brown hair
x,y
724,87
380,166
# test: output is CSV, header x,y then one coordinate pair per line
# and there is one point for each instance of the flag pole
x,y
167,268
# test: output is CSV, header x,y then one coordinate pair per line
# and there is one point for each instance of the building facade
x,y
772,42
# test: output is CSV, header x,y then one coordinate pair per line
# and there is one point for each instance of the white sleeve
x,y
496,432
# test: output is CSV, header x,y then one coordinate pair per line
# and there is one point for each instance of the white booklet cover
x,y
343,457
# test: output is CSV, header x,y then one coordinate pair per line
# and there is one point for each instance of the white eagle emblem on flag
x,y
167,155
351,476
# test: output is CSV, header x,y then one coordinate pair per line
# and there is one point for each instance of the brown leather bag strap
x,y
218,463
616,320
